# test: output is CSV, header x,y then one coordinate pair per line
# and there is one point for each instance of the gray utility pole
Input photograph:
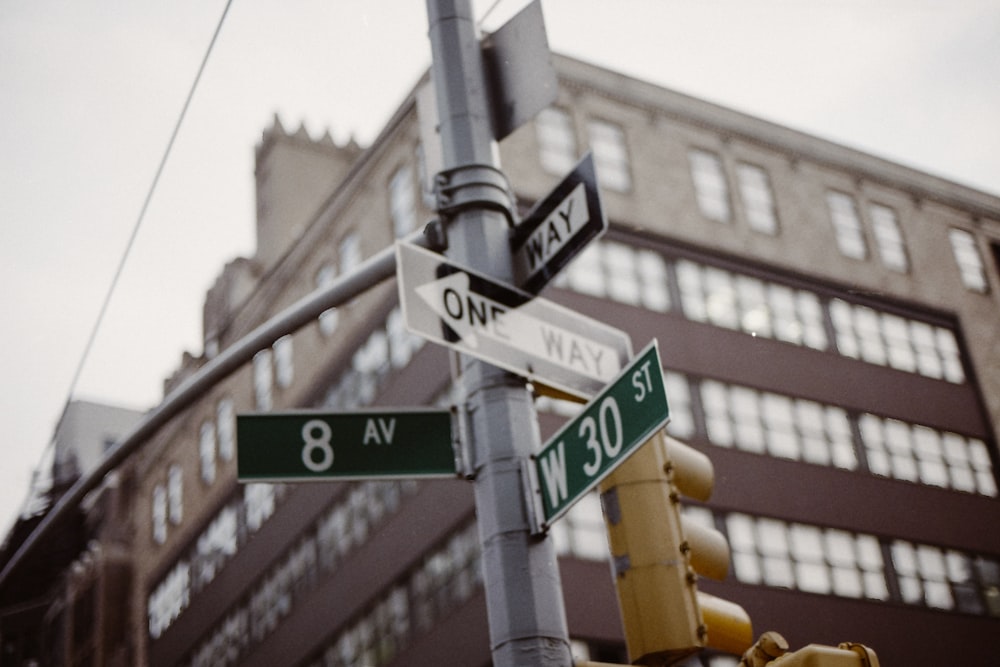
x,y
523,589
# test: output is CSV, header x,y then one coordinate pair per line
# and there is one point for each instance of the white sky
x,y
90,91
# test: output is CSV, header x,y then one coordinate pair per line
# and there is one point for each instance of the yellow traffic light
x,y
771,650
656,554
816,655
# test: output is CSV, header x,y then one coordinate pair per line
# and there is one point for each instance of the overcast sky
x,y
90,91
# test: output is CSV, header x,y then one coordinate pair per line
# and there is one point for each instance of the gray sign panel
x,y
519,69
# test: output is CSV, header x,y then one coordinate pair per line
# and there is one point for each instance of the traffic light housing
x,y
816,655
656,554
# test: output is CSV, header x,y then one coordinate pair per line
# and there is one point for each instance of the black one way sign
x,y
559,227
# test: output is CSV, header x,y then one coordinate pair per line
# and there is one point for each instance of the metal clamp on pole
x,y
473,186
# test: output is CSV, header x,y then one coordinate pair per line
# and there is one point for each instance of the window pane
x,y
206,449
284,361
226,424
556,140
263,379
888,238
710,185
890,340
758,200
807,543
585,274
846,225
690,283
607,140
328,318
968,259
620,272
175,494
350,253
159,514
812,577
652,270
920,453
403,201
681,418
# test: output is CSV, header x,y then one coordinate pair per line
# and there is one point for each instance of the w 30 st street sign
x,y
476,315
610,427
369,444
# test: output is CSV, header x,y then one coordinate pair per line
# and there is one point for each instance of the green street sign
x,y
369,444
626,413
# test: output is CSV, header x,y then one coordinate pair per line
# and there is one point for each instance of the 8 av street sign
x,y
559,227
528,335
370,444
610,427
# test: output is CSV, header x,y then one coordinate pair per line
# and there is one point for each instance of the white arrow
x,y
472,315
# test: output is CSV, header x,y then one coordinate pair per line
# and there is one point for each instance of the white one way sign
x,y
533,337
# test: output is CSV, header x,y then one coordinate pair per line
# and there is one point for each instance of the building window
x,y
284,361
214,547
206,451
175,494
890,340
710,294
159,514
968,259
947,579
806,558
582,532
225,421
328,318
888,238
350,253
748,304
263,379
259,499
758,198
781,426
386,348
621,272
169,599
446,578
916,453
556,140
403,202
802,430
372,364
710,185
442,581
847,225
402,343
607,140
829,561
682,422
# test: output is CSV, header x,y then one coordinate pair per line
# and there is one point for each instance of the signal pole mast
x,y
527,619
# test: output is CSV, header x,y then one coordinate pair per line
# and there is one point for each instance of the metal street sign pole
x,y
524,603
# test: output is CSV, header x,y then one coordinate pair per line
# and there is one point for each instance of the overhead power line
x,y
131,240
145,207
